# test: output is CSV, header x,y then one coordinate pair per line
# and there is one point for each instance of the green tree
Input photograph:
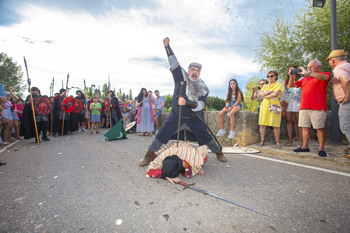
x,y
305,37
105,91
130,94
11,74
215,103
248,104
168,102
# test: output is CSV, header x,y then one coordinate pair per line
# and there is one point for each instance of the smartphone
x,y
295,71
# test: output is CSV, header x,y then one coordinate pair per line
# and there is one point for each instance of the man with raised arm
x,y
192,100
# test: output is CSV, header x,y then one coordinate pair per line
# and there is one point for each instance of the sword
x,y
221,198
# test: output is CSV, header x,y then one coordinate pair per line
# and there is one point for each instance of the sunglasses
x,y
261,84
270,76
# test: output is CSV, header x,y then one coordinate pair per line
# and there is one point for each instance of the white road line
x,y
5,147
300,165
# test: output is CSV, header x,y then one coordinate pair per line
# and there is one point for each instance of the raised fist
x,y
166,41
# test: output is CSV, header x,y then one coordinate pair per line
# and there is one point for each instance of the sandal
x,y
278,144
289,143
262,143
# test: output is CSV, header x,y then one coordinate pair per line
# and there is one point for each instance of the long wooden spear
x,y
31,100
110,111
86,106
67,89
52,94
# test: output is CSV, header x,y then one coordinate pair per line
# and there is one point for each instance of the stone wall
x,y
247,128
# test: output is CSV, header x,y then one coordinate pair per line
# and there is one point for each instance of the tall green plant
x,y
11,74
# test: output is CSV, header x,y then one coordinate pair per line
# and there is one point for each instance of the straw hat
x,y
336,53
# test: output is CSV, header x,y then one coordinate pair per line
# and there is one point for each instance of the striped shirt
x,y
196,157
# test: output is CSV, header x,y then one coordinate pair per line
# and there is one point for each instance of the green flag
x,y
116,132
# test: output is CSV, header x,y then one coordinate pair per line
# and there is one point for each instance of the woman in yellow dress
x,y
270,92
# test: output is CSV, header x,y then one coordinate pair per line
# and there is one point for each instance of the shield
x,y
42,105
130,126
79,106
68,104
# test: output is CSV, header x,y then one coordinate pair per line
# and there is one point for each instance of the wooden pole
x,y
31,101
63,123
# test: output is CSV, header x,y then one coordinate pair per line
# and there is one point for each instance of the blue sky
x,y
90,39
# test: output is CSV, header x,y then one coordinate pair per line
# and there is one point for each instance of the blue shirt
x,y
160,101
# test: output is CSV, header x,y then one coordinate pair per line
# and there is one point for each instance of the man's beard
x,y
195,88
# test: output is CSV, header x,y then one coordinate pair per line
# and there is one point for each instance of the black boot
x,y
44,128
45,138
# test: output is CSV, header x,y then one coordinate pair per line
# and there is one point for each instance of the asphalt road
x,y
77,184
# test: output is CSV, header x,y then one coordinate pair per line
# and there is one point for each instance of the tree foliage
x,y
305,37
11,74
215,103
248,104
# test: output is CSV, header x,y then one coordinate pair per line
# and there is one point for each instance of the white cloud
x,y
123,41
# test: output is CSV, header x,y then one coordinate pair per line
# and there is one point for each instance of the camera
x,y
295,71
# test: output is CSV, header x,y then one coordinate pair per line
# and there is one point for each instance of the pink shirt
x,y
342,68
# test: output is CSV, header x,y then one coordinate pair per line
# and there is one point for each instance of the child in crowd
x,y
234,101
95,108
124,114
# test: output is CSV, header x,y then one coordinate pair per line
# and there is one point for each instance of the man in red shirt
x,y
313,108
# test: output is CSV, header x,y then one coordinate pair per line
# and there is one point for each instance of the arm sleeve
x,y
171,58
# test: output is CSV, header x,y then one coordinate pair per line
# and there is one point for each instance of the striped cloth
x,y
195,158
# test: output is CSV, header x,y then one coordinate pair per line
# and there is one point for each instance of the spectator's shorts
x,y
316,118
95,118
7,114
81,117
159,113
15,116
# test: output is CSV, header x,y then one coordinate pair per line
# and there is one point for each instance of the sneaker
x,y
301,150
80,130
157,131
232,133
322,153
221,132
83,129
